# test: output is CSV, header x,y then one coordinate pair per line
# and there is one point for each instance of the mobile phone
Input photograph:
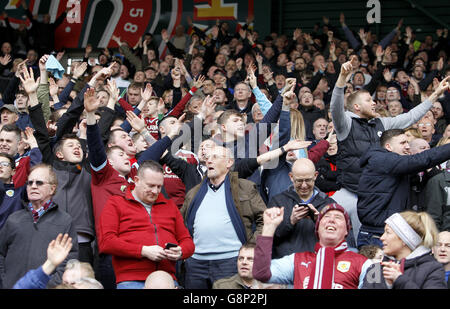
x,y
170,245
310,211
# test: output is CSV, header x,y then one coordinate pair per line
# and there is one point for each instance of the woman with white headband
x,y
407,264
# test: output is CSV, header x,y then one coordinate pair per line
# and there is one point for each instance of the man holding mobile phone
x,y
143,231
302,202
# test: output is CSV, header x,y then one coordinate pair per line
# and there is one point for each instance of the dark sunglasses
x,y
39,183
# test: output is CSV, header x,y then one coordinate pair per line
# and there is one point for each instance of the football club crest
x,y
343,266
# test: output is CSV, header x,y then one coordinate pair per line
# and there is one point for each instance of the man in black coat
x,y
302,202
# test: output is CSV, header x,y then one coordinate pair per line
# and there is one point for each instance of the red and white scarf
x,y
322,274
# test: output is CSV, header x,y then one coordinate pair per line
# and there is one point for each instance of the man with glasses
x,y
32,228
222,213
302,202
426,127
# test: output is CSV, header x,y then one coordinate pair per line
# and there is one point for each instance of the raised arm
x,y
342,122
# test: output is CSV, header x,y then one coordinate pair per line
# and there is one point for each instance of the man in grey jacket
x,y
358,128
27,232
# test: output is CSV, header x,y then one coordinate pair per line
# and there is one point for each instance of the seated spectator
x,y
244,277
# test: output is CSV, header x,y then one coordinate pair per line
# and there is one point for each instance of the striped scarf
x,y
41,211
322,275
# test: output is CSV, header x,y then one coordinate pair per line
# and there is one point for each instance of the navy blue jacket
x,y
12,201
384,184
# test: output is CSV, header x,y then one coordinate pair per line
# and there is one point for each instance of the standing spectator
x,y
13,199
135,229
31,229
10,142
408,238
441,251
69,162
44,32
439,116
222,213
302,202
384,185
437,198
418,181
326,180
358,129
330,266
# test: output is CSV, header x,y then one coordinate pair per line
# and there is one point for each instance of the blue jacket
x,y
12,201
33,279
384,184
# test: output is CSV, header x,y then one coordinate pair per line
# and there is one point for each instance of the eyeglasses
x,y
39,183
5,164
301,181
424,124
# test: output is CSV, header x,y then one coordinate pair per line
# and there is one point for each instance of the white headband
x,y
404,231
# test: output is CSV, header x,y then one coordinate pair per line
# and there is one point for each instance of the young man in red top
x,y
136,229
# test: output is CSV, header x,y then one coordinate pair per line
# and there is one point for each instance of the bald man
x,y
441,252
302,202
220,214
159,280
418,145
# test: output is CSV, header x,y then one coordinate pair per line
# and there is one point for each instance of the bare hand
x,y
42,62
79,71
391,271
28,82
29,138
154,253
296,144
198,83
147,93
58,249
91,104
273,216
138,124
174,253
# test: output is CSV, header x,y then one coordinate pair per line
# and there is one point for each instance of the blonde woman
x,y
412,133
407,264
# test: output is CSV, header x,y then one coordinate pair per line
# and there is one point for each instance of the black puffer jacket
x,y
419,272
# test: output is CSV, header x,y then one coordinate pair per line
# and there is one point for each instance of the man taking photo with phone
x,y
302,202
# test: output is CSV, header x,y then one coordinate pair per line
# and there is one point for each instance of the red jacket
x,y
125,227
346,274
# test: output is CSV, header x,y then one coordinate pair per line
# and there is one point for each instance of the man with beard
x,y
357,129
